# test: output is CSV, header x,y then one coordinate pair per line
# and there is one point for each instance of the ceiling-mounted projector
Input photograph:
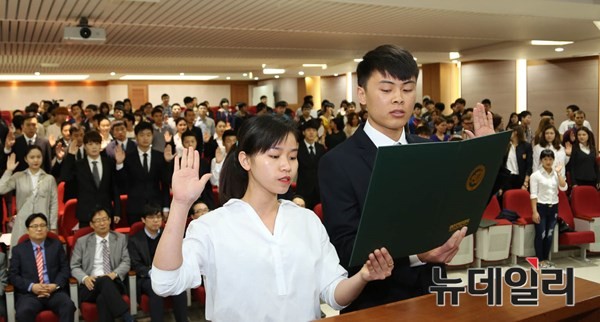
x,y
84,33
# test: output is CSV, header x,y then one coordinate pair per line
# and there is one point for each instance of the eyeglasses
x,y
36,226
97,221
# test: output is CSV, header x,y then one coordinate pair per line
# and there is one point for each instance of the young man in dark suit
x,y
309,153
142,247
91,179
387,79
143,175
119,134
19,145
39,270
100,263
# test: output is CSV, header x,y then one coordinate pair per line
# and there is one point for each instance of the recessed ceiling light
x,y
113,73
322,66
245,74
256,78
300,73
167,77
559,49
335,74
550,42
276,76
264,65
42,77
181,74
357,60
271,71
597,23
49,65
228,78
454,55
36,73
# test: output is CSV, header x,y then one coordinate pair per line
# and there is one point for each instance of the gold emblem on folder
x,y
459,225
475,178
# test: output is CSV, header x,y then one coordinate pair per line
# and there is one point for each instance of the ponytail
x,y
234,179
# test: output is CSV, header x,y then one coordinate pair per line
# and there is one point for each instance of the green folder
x,y
420,194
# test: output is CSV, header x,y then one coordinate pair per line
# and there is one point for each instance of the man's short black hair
x,y
92,107
164,95
187,100
423,129
524,114
143,126
151,209
92,137
461,101
281,104
486,101
156,110
28,116
547,113
573,108
190,133
387,60
263,96
339,123
440,106
227,133
260,106
33,216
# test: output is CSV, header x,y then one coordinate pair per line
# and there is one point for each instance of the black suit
x,y
344,175
307,184
23,272
20,148
78,175
141,263
524,154
143,187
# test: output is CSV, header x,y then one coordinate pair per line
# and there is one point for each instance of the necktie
x,y
123,147
30,142
39,261
105,258
96,173
146,163
79,156
311,151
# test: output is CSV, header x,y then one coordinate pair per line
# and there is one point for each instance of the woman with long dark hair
x,y
255,242
582,165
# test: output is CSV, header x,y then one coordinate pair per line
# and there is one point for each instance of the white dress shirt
x,y
380,139
544,187
285,271
560,157
511,162
98,258
35,178
141,154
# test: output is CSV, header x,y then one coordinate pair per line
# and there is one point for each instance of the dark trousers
x,y
107,296
29,305
157,307
544,231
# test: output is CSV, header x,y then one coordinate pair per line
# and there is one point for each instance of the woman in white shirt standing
x,y
545,184
550,140
263,259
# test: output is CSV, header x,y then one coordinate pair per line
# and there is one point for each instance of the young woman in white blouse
x,y
550,140
263,259
545,184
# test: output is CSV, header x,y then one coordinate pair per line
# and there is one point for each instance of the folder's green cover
x,y
419,194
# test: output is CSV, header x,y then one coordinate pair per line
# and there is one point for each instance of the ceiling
x,y
230,37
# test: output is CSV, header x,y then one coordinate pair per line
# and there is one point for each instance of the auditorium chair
x,y
581,239
319,211
9,291
585,203
523,231
61,195
68,220
493,243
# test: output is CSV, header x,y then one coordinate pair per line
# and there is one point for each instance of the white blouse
x,y
251,274
560,156
544,187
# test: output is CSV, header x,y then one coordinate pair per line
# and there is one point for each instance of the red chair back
x,y
69,219
518,200
61,196
136,227
319,211
493,209
585,201
564,209
123,222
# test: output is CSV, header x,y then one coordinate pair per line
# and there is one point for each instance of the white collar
x,y
380,139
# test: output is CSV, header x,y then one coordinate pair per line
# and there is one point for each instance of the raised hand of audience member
x,y
73,147
446,252
568,148
219,155
119,154
483,122
558,168
168,153
168,136
12,163
206,137
10,140
186,185
59,151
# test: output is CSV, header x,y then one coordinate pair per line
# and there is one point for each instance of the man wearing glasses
x,y
100,263
39,270
142,246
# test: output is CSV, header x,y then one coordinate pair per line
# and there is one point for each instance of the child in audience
x,y
255,241
582,165
545,184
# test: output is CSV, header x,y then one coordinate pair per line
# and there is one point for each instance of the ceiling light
x,y
181,74
228,78
455,61
322,66
167,77
301,73
43,77
49,65
36,73
264,65
335,74
276,76
559,49
271,71
550,43
597,23
415,58
454,55
245,74
256,78
113,73
357,60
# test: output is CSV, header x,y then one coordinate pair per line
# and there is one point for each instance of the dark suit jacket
x,y
20,148
307,184
199,138
111,147
78,176
344,175
139,253
524,154
143,188
23,269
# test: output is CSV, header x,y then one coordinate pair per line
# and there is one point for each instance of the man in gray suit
x,y
100,263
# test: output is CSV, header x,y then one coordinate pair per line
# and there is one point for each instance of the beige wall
x,y
334,89
285,89
212,93
553,85
20,95
495,80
